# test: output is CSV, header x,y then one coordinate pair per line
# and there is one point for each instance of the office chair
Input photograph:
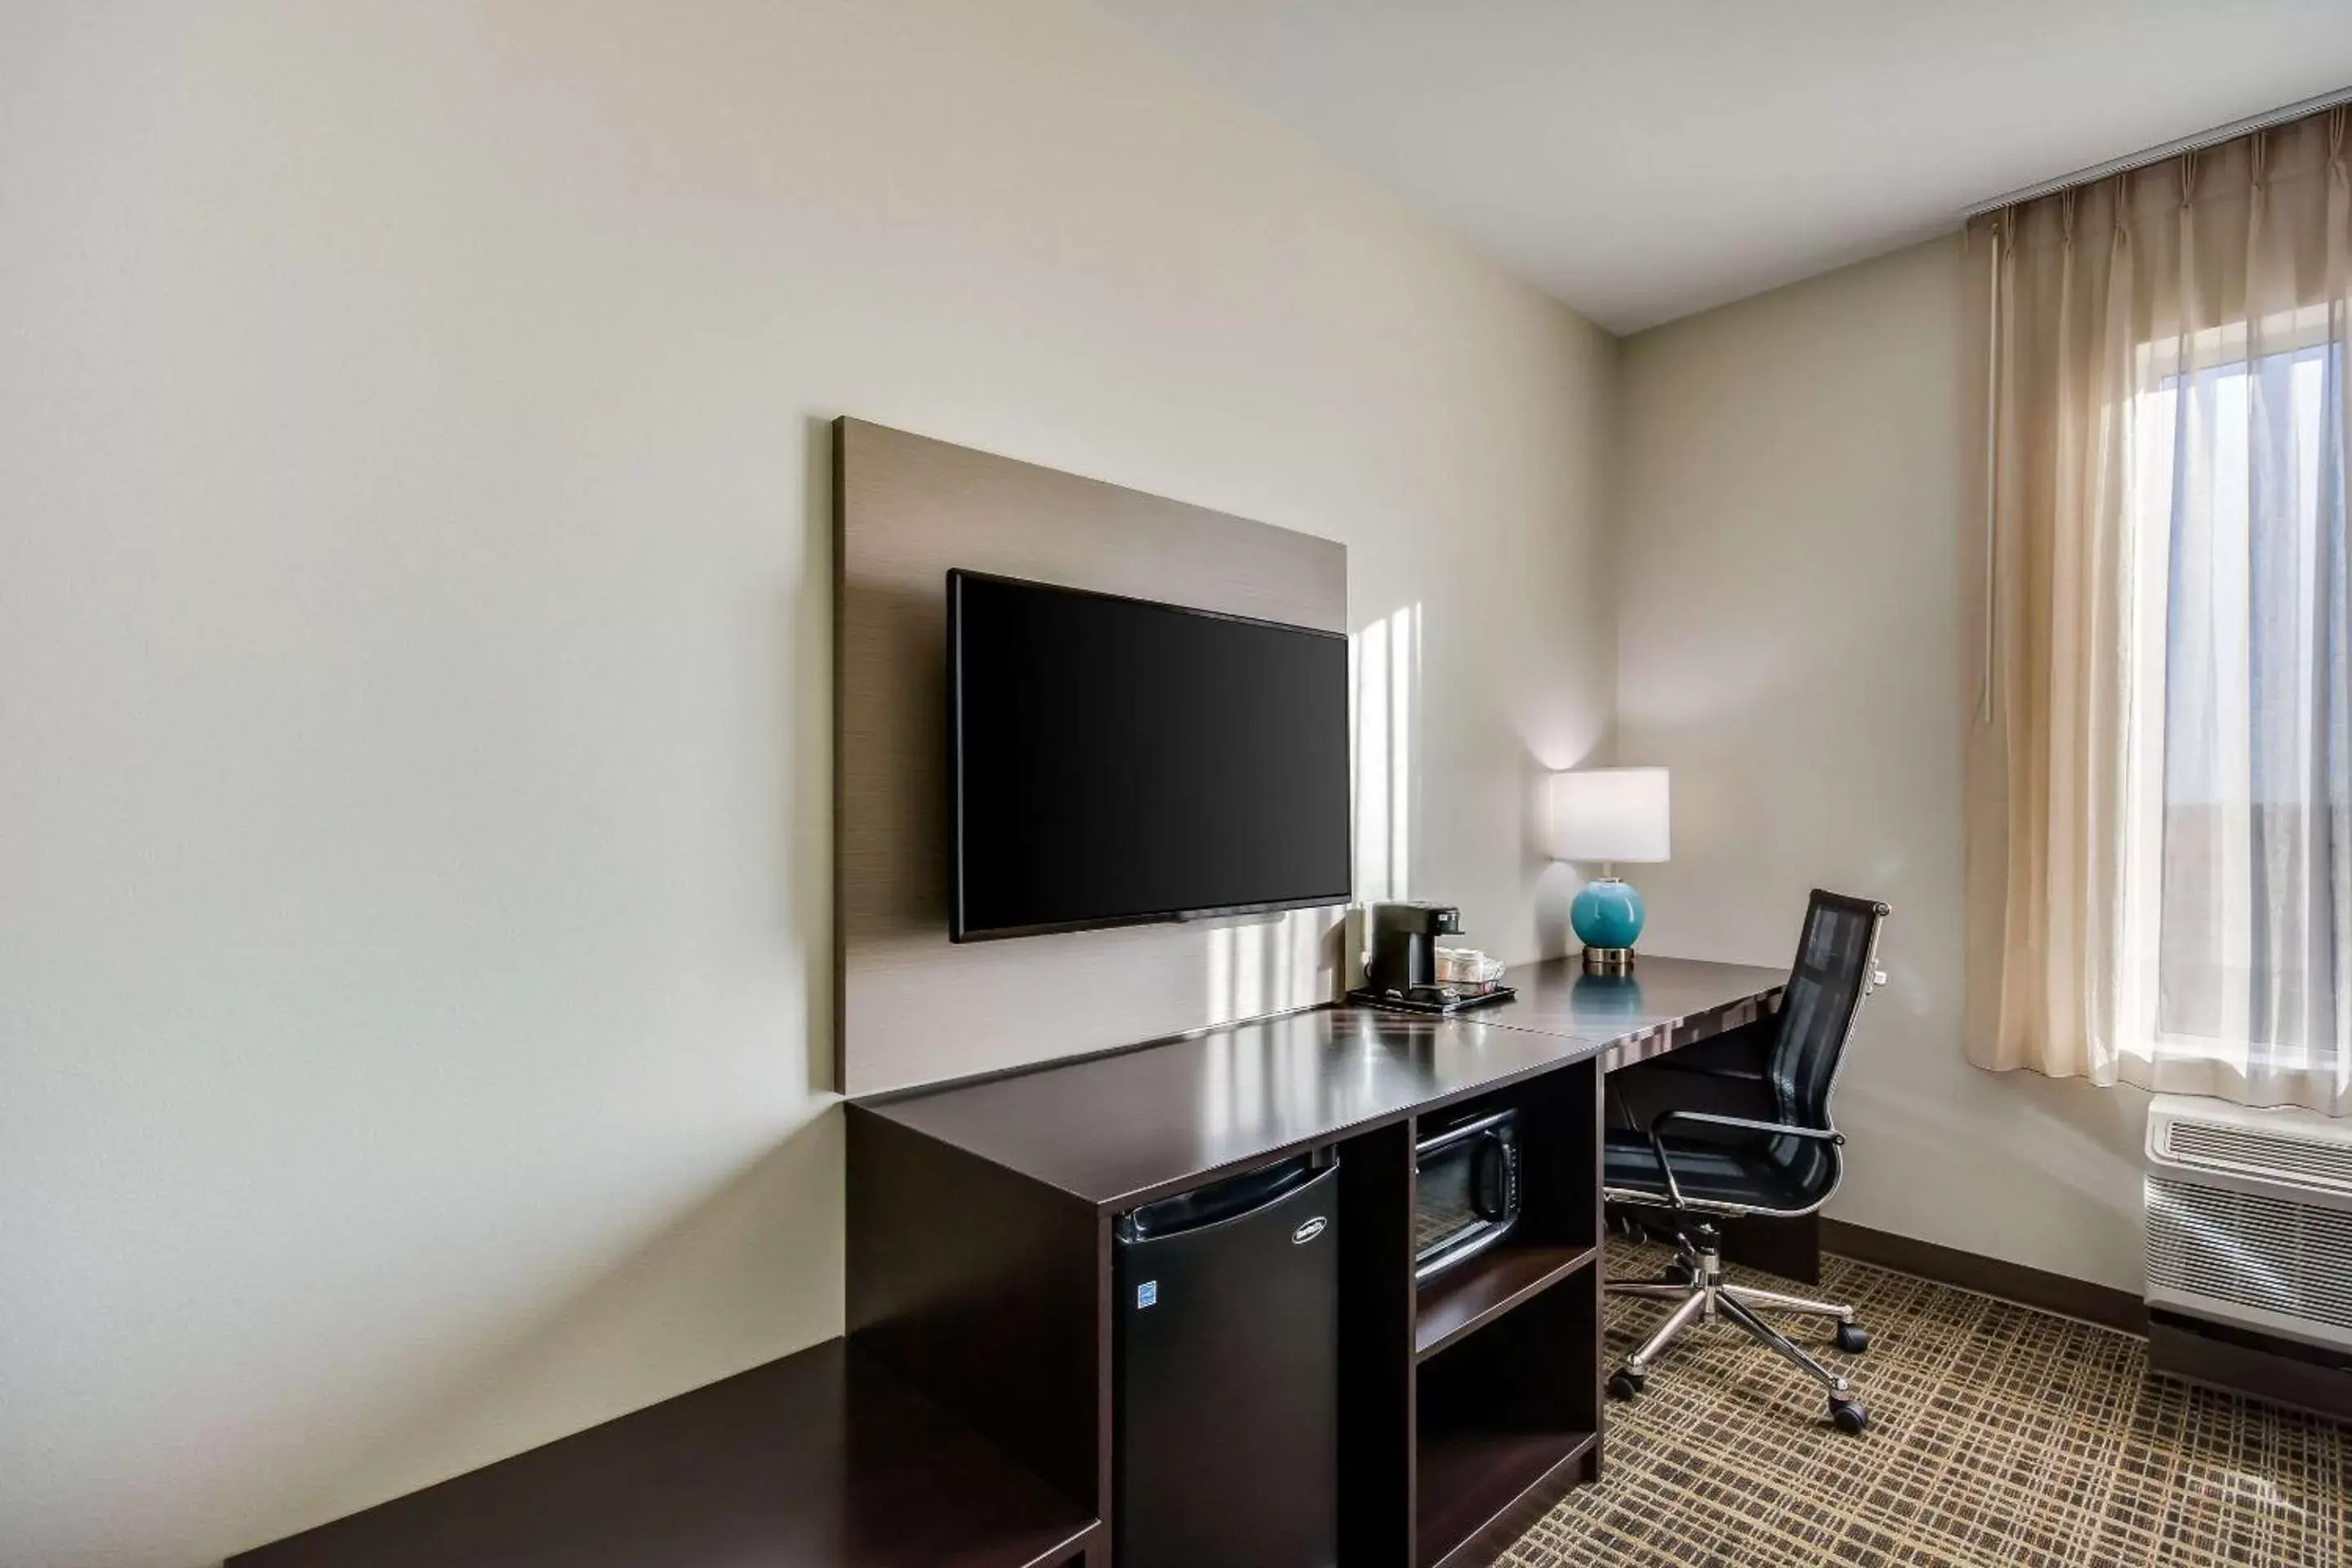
x,y
1700,1167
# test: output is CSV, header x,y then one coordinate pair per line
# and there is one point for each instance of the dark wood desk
x,y
980,1237
1120,1129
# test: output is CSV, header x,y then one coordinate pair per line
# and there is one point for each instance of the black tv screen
x,y
1114,760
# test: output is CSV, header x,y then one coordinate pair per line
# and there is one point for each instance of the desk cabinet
x,y
980,1244
1468,1406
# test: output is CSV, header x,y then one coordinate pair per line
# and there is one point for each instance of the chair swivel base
x,y
1696,1286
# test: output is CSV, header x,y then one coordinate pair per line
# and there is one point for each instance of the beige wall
x,y
412,657
1787,644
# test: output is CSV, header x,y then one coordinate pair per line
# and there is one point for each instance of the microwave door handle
x,y
1491,1171
1453,1135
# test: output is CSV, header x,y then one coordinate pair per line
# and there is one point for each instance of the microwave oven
x,y
1467,1190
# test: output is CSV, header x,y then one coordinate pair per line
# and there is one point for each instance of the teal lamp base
x,y
1607,918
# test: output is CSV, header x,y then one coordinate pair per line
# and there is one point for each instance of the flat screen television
x,y
1114,761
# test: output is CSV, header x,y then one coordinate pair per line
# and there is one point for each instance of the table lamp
x,y
1608,815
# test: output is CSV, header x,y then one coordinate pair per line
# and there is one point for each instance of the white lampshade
x,y
1608,814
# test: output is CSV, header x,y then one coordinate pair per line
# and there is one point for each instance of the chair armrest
x,y
1702,1069
1709,1119
1745,1124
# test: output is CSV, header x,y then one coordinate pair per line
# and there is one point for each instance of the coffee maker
x,y
1400,967
1403,955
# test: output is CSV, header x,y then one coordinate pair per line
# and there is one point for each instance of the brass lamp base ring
x,y
1608,961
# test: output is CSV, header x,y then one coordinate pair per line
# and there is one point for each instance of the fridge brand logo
x,y
1309,1231
1147,1293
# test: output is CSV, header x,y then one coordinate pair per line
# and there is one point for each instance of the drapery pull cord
x,y
1992,476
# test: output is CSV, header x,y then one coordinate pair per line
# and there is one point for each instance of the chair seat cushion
x,y
1786,1173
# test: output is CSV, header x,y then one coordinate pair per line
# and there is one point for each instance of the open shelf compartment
x,y
1482,1489
1558,1233
1467,1298
1508,1420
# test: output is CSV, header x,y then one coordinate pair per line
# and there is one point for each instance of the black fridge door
x,y
1228,1373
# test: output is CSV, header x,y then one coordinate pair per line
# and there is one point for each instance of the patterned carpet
x,y
1999,1435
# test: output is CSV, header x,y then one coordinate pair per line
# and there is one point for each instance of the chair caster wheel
x,y
1852,1339
1848,1415
1625,1382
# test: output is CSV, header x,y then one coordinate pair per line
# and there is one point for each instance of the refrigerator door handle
x,y
1221,1203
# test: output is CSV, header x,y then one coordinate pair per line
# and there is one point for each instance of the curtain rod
x,y
2130,161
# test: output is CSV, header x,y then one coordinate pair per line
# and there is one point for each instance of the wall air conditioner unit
x,y
2249,1218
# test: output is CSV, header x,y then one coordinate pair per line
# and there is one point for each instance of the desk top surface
x,y
1119,1130
824,1459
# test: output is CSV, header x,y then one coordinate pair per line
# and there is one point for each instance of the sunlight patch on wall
x,y
1384,674
1267,964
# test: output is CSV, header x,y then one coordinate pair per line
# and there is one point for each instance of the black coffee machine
x,y
1403,954
1400,968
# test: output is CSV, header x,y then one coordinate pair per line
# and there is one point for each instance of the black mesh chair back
x,y
1836,957
1705,1165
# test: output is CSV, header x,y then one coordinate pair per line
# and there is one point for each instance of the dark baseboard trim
x,y
2237,1361
2100,1304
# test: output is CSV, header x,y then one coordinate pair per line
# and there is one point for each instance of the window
x,y
2238,866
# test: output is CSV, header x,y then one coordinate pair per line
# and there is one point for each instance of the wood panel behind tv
x,y
912,1006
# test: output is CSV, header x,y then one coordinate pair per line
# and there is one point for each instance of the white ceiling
x,y
1643,158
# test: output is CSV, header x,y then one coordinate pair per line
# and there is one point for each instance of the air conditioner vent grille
x,y
2250,1151
2244,1250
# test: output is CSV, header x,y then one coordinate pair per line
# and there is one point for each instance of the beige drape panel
x,y
2159,871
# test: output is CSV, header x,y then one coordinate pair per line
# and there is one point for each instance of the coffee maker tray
x,y
1434,1007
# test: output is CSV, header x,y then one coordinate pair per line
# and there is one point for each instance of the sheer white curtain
x,y
2160,798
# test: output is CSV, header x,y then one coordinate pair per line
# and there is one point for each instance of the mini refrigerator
x,y
1227,1374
